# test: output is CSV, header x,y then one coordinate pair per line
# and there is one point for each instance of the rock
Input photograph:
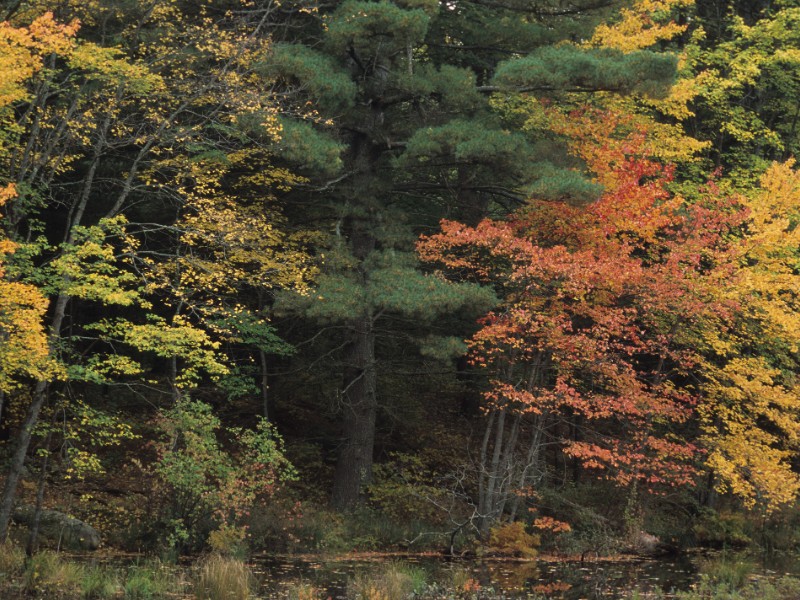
x,y
646,544
58,528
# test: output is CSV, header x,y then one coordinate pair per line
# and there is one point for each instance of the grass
x,y
12,561
462,581
396,581
223,578
303,590
786,588
47,575
730,577
151,581
731,572
99,583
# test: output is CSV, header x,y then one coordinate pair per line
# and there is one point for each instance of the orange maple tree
x,y
600,304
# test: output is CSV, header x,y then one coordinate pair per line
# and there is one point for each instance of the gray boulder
x,y
57,528
646,544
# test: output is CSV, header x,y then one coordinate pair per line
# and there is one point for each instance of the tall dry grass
x,y
223,578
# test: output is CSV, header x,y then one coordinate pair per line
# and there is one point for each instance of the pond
x,y
557,579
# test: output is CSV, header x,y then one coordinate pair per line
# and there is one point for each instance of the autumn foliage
x,y
211,210
646,317
601,305
24,351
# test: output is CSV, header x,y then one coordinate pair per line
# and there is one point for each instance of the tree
x,y
405,124
737,88
112,139
751,413
744,58
600,305
24,353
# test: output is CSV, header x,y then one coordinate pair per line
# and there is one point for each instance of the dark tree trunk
x,y
18,458
354,466
473,206
33,535
358,399
264,385
488,504
59,312
24,437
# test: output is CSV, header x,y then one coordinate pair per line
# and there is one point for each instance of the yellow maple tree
x,y
22,50
24,351
644,24
641,26
751,417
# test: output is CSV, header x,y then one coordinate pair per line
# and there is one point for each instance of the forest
x,y
474,277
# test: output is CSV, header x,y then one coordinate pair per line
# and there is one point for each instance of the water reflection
x,y
543,579
553,579
558,580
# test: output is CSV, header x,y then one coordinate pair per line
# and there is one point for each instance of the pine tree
x,y
404,132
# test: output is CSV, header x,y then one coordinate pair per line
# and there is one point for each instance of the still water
x,y
563,580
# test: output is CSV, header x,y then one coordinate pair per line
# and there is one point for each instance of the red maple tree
x,y
600,305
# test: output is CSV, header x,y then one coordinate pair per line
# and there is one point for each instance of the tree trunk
x,y
359,378
531,464
506,487
59,312
33,535
488,503
18,458
354,467
264,385
483,464
12,8
473,206
31,418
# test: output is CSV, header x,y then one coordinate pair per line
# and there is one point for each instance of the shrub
x,y
208,487
463,581
511,539
288,526
722,529
229,540
594,511
405,489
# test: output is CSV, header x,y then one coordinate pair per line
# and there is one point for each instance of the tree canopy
x,y
461,256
